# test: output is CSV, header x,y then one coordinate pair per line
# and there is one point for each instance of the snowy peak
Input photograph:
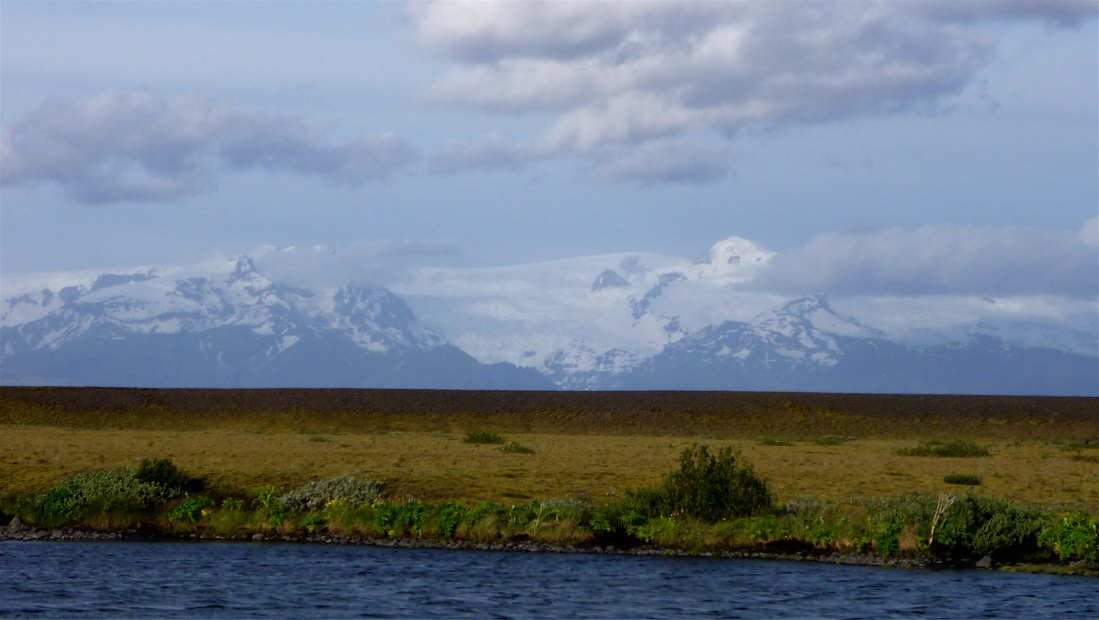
x,y
378,320
734,256
814,315
209,297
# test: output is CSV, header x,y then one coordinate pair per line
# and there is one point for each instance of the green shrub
x,y
979,526
831,440
450,517
266,498
101,490
968,479
707,487
516,448
558,509
957,449
398,519
1075,537
320,494
484,509
163,472
231,504
190,509
480,436
885,538
312,523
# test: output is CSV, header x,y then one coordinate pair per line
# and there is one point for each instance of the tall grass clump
x,y
956,449
476,435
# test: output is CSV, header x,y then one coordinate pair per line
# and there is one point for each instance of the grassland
x,y
586,447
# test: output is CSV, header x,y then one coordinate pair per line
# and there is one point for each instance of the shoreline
x,y
1075,568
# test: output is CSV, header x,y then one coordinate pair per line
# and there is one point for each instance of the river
x,y
235,580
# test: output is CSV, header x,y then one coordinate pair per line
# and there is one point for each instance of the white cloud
x,y
1089,233
139,146
939,260
621,74
375,262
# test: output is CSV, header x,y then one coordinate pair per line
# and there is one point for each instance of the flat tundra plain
x,y
586,446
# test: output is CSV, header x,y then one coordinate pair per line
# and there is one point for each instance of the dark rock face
x,y
608,279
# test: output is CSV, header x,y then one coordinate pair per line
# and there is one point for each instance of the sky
x,y
887,147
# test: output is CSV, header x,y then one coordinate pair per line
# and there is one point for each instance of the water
x,y
211,580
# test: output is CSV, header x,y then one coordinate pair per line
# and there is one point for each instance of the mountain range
x,y
616,321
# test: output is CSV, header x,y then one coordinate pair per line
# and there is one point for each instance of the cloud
x,y
937,260
378,262
1089,233
139,146
487,152
674,161
622,74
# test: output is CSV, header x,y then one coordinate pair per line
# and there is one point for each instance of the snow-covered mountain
x,y
225,324
614,321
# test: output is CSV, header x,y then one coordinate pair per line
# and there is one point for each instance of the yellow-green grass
x,y
601,444
435,466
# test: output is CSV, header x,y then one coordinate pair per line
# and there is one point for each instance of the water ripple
x,y
233,580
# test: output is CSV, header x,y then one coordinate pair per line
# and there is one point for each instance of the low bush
x,y
266,499
399,519
191,510
558,509
775,441
480,436
1075,537
967,479
516,448
956,449
706,487
317,495
831,440
973,525
163,472
100,491
450,515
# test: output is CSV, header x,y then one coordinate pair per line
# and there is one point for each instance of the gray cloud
x,y
138,146
621,74
940,259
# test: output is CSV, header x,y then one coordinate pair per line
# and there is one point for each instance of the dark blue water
x,y
211,580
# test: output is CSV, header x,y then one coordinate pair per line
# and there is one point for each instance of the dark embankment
x,y
642,412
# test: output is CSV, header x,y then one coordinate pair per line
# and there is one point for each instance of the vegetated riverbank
x,y
925,480
712,505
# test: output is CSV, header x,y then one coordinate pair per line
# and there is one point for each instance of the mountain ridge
x,y
624,321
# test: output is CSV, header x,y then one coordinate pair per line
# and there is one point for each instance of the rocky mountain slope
x,y
231,328
617,321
